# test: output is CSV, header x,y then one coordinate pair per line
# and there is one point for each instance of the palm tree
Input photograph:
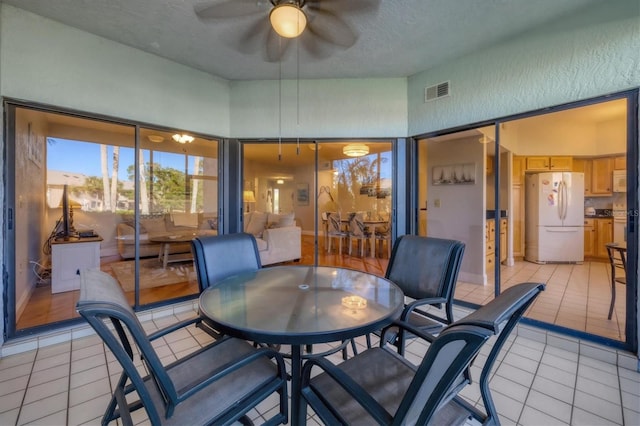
x,y
105,178
114,177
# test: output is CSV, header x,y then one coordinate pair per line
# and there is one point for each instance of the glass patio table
x,y
301,305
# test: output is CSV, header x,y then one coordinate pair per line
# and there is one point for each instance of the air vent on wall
x,y
436,91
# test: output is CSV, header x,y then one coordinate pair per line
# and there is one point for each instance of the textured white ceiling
x,y
404,37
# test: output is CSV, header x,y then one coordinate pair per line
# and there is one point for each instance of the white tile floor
x,y
540,378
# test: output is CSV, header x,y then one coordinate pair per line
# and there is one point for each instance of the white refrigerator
x,y
554,216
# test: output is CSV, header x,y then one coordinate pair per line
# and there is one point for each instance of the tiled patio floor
x,y
539,379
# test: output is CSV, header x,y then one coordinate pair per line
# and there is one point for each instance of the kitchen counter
x,y
491,214
600,213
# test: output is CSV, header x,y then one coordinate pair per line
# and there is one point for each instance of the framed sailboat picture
x,y
454,174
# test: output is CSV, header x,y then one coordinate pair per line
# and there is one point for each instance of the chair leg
x,y
613,297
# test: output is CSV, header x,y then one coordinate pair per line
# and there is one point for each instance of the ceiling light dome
x,y
355,150
288,20
182,138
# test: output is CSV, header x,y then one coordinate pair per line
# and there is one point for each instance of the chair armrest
x,y
405,326
421,302
349,385
173,327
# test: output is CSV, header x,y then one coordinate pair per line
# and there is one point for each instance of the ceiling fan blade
x,y
213,9
331,28
276,46
315,46
340,6
253,38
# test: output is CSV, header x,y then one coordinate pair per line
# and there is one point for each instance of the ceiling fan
x,y
271,25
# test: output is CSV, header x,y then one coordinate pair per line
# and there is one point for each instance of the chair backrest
x,y
335,223
448,356
500,315
102,303
219,256
460,346
424,266
618,262
356,224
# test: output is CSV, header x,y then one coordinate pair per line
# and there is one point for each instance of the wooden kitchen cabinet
x,y
604,235
517,221
601,176
489,167
554,164
620,162
490,241
517,170
503,240
597,233
589,238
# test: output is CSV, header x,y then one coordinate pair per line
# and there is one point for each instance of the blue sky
x,y
84,157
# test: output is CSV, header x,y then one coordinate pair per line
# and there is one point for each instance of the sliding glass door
x,y
85,194
309,182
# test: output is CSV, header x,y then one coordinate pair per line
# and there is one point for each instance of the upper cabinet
x,y
601,176
560,164
620,162
598,175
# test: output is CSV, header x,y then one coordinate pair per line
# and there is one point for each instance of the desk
x,y
165,247
70,256
300,305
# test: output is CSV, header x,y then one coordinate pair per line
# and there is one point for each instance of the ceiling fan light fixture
x,y
355,150
182,138
288,20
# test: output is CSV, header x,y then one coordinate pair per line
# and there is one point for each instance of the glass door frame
x,y
632,123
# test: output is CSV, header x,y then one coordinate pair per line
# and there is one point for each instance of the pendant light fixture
x,y
355,150
287,19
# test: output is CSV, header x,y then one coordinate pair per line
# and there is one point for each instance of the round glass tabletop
x,y
302,304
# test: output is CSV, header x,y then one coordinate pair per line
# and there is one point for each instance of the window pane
x,y
178,201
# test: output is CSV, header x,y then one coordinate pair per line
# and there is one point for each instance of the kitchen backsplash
x,y
601,202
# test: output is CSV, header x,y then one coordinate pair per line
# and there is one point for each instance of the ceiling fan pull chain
x,y
298,94
280,100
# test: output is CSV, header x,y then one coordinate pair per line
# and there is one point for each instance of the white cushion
x,y
154,226
257,224
262,244
280,220
185,219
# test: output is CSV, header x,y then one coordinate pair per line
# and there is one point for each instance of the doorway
x,y
590,140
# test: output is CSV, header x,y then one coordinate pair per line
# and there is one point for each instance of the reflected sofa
x,y
278,237
155,225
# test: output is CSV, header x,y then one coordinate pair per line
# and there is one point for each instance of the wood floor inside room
x,y
577,296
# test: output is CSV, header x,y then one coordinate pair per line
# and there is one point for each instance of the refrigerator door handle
x,y
564,200
560,201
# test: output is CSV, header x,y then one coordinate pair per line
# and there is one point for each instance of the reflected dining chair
x,y
379,386
335,231
359,232
618,262
217,383
426,269
382,235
